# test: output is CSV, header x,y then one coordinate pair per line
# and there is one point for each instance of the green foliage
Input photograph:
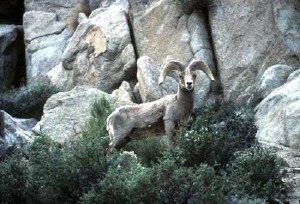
x,y
148,150
53,171
56,173
13,176
64,173
162,183
206,166
121,177
211,163
26,102
179,184
214,136
255,171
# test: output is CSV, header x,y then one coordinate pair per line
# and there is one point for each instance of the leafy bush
x,y
64,173
178,184
53,171
215,135
211,163
148,150
199,169
13,177
56,173
121,176
26,102
162,183
255,171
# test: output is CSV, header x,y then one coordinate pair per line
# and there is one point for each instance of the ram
x,y
159,117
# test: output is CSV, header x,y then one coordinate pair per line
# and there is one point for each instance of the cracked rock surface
x,y
47,27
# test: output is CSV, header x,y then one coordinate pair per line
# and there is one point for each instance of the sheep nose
x,y
189,85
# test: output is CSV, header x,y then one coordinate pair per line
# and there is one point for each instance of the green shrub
x,y
53,171
13,178
63,173
237,121
211,163
26,102
162,183
121,177
256,171
148,150
214,136
178,184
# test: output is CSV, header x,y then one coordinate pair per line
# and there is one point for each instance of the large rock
x,y
66,10
45,41
249,37
147,74
100,53
273,77
66,113
14,133
164,29
278,116
149,89
48,26
8,54
124,92
61,78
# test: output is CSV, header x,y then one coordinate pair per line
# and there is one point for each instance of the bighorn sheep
x,y
165,114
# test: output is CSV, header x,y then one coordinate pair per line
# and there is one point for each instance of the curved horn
x,y
168,66
199,65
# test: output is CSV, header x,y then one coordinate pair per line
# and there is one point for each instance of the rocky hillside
x,y
101,47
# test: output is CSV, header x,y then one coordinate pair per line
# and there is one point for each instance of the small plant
x,y
27,101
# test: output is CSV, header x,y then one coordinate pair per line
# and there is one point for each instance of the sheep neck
x,y
186,98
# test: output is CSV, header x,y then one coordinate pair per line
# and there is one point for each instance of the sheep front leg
x,y
169,128
120,139
118,144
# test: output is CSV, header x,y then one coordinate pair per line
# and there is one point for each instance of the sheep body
x,y
155,118
140,121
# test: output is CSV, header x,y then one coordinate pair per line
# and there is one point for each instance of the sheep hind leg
x,y
169,128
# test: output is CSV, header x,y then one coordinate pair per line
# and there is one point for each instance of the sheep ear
x,y
169,65
199,65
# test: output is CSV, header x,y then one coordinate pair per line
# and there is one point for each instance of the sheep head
x,y
187,75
